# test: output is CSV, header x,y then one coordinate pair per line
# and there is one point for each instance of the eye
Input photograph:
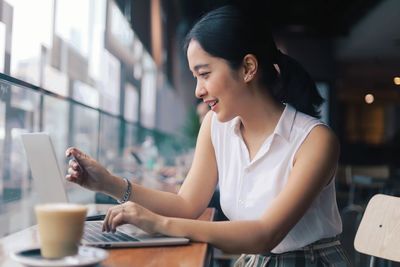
x,y
204,75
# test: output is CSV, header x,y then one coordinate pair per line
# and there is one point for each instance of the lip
x,y
212,103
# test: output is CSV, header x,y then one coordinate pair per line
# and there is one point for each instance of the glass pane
x,y
2,45
97,22
148,93
109,139
19,113
131,160
21,116
30,32
72,23
131,134
55,122
109,84
131,103
85,94
85,129
3,96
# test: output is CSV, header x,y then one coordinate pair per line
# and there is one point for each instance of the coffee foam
x,y
61,206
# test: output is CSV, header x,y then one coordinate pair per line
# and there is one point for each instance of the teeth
x,y
213,103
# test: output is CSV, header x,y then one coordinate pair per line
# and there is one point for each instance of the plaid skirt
x,y
326,252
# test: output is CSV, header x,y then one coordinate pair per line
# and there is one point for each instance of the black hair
x,y
231,33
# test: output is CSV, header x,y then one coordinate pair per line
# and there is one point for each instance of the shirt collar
x,y
286,121
283,128
236,125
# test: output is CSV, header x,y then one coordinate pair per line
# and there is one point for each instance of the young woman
x,y
273,160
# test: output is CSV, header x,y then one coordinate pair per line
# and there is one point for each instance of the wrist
x,y
127,194
115,186
164,226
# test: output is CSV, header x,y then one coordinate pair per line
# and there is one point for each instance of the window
x,y
85,129
2,46
131,103
55,122
109,139
148,93
32,24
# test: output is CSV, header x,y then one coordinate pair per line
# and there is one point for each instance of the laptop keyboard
x,y
93,233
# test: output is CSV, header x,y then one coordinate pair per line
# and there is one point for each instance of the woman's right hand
x,y
86,172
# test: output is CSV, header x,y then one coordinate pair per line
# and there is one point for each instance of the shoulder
x,y
304,121
208,117
322,133
321,142
205,126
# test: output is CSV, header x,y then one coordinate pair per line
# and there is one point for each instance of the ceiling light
x,y
396,80
369,98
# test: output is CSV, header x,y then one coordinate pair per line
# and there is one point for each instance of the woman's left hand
x,y
132,213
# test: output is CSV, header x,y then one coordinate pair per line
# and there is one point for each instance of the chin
x,y
224,117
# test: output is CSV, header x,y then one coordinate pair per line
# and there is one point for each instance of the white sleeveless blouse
x,y
248,187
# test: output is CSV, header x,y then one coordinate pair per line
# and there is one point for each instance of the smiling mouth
x,y
212,103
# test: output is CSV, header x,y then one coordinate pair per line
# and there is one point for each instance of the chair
x,y
378,234
369,177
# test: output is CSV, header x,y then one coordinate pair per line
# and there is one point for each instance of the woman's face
x,y
217,84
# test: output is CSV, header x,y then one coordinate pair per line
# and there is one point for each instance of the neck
x,y
261,116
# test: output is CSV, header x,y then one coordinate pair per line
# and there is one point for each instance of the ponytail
x,y
295,86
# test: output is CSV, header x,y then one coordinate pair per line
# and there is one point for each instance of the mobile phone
x,y
96,217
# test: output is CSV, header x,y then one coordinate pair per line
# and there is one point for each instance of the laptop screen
x,y
47,178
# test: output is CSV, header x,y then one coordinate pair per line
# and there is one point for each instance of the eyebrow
x,y
197,67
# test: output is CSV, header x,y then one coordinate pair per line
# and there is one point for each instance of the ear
x,y
250,67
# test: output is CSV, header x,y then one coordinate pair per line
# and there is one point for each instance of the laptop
x,y
45,170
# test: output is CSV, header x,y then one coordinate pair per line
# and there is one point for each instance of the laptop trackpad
x,y
131,230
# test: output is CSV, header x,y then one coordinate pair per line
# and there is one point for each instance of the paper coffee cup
x,y
60,228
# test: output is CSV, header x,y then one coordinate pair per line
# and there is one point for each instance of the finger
x,y
68,177
79,156
104,227
118,220
75,165
113,213
75,173
72,179
108,219
71,171
71,151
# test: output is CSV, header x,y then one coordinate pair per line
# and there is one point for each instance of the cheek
x,y
223,85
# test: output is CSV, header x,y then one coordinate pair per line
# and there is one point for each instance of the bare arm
x,y
314,166
193,196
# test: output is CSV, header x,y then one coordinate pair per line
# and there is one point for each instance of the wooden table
x,y
194,254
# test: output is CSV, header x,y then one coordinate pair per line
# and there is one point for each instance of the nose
x,y
200,91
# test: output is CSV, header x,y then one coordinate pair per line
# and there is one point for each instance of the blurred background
x,y
111,77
